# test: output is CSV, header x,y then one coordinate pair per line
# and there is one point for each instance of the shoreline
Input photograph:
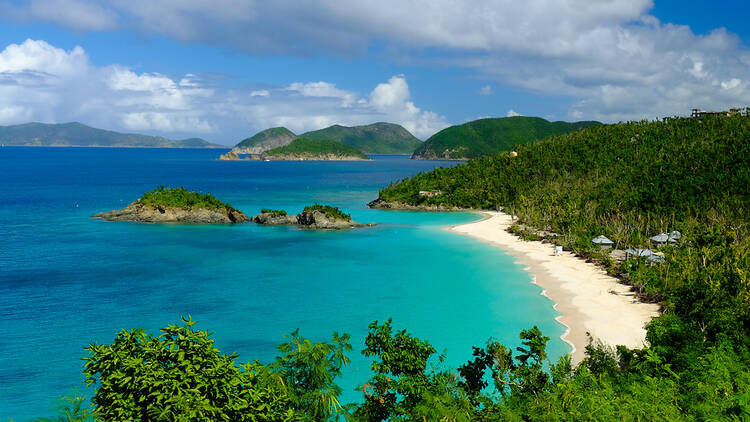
x,y
588,299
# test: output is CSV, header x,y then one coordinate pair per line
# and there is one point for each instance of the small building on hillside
x,y
651,256
603,242
664,238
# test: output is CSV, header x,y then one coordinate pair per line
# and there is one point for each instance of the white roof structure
x,y
671,237
639,252
602,240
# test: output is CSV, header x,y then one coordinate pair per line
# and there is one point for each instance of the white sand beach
x,y
588,299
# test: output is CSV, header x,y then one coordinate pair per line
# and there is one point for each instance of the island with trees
x,y
176,205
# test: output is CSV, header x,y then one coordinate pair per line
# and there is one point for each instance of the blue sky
x,y
225,69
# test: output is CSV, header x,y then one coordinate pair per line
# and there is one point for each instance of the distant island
x,y
491,136
176,205
79,135
312,216
377,138
304,149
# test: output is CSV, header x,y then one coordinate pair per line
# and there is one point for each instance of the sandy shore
x,y
588,299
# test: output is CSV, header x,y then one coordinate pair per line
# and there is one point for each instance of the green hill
x,y
79,135
314,149
265,140
377,138
490,136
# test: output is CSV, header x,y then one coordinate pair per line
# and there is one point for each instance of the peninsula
x,y
176,205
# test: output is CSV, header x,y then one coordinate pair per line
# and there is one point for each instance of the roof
x,y
639,252
603,240
667,237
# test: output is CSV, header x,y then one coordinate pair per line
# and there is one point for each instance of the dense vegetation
x,y
627,181
267,139
377,138
490,136
77,134
314,149
274,213
329,211
181,198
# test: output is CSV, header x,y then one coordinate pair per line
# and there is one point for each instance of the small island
x,y
312,217
176,205
304,149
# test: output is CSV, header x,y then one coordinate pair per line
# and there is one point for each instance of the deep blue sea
x,y
67,280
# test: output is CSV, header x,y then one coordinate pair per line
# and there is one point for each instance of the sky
x,y
223,70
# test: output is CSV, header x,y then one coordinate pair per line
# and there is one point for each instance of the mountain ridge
x,y
76,134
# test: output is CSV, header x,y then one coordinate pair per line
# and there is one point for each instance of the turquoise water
x,y
67,280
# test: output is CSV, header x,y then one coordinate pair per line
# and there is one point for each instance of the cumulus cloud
x,y
512,113
612,59
40,82
485,90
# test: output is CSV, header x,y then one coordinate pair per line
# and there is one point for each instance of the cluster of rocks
x,y
308,219
234,156
160,214
401,206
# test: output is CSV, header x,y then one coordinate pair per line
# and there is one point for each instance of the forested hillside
x,y
490,136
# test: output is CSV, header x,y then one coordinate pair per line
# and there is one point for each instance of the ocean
x,y
67,280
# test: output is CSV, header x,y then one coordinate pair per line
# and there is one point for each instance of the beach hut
x,y
635,253
651,256
603,242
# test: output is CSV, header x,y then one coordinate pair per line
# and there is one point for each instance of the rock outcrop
x,y
275,219
313,157
157,214
307,220
234,156
400,206
319,220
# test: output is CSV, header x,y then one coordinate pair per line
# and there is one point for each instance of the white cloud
x,y
612,58
485,90
512,113
40,82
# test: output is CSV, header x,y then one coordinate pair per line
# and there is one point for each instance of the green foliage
x,y
181,376
329,211
491,136
313,149
274,213
72,409
181,198
377,138
308,371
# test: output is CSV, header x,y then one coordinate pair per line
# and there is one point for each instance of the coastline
x,y
588,300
